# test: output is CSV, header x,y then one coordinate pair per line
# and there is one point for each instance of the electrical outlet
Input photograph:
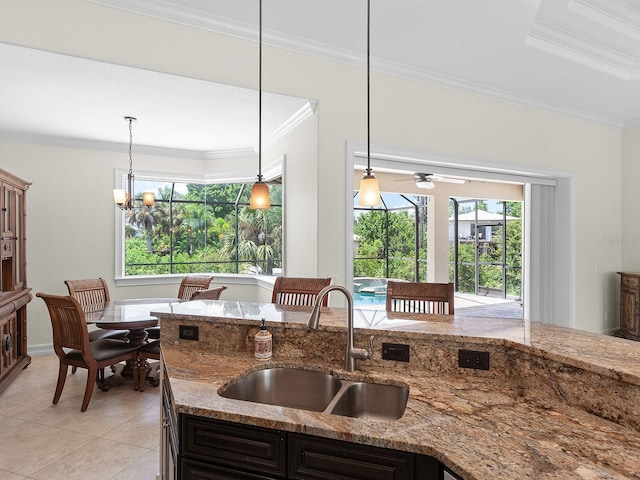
x,y
189,332
395,351
473,359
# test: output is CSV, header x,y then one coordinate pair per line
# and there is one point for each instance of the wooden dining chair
x,y
418,297
189,286
72,346
298,290
148,351
92,295
193,283
209,294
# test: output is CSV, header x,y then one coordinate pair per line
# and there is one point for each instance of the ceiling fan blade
x,y
457,181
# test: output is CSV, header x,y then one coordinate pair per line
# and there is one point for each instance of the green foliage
x,y
490,257
196,232
374,249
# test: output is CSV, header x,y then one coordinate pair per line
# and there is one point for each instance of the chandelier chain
x,y
130,143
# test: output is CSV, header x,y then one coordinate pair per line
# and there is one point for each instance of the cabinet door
x,y
630,305
193,470
246,448
168,444
8,339
321,458
19,264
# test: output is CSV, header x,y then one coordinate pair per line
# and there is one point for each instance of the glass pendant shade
x,y
148,198
260,196
369,195
119,196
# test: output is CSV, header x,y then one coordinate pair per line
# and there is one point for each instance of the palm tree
x,y
142,218
256,242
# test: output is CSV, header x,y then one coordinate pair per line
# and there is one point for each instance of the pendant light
x,y
124,196
369,195
260,191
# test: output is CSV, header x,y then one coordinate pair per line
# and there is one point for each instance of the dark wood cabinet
x,y
201,448
629,306
169,436
235,447
320,458
218,450
14,293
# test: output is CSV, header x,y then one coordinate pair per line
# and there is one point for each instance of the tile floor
x,y
117,438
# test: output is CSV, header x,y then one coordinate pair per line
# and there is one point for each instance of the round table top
x,y
130,313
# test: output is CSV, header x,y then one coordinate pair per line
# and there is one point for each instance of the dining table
x,y
132,315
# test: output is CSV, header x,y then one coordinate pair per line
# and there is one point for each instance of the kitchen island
x,y
554,403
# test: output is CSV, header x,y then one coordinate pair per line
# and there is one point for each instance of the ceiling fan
x,y
426,180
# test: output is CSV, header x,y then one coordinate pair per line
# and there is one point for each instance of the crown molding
x,y
234,153
616,15
565,44
191,17
463,86
632,123
79,143
304,112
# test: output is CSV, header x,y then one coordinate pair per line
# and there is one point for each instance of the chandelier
x,y
123,197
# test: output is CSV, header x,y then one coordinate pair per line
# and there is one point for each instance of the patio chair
x,y
417,297
298,290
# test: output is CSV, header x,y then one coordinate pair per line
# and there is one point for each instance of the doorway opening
x,y
485,256
547,287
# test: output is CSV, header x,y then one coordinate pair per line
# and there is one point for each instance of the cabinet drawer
x,y
320,458
193,470
248,448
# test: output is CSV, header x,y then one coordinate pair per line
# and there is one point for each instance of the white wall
x,y
404,113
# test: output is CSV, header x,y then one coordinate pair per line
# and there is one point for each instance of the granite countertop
x,y
511,422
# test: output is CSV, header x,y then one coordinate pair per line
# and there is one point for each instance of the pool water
x,y
360,300
369,292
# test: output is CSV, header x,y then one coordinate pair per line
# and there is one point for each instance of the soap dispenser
x,y
263,343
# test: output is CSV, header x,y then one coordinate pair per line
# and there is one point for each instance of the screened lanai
x,y
392,241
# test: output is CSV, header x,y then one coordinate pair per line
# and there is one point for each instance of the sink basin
x,y
372,401
320,392
286,387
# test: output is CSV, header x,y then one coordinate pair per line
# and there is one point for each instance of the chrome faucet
x,y
314,320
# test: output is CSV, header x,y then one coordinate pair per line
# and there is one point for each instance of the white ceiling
x,y
574,57
84,102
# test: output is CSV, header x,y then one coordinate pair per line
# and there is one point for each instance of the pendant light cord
x,y
130,142
260,101
368,89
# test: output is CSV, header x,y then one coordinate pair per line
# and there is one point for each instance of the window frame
x,y
161,279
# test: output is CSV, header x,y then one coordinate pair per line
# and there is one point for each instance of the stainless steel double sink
x,y
320,392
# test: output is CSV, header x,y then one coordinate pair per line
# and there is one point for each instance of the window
x,y
389,240
197,227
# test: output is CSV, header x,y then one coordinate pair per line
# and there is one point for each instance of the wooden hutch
x,y
629,306
14,293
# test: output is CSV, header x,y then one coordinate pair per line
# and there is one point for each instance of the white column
x,y
438,238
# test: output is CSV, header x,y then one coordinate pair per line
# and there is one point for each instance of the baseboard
x,y
43,349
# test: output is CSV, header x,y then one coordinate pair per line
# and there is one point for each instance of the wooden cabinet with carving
x,y
14,293
629,306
